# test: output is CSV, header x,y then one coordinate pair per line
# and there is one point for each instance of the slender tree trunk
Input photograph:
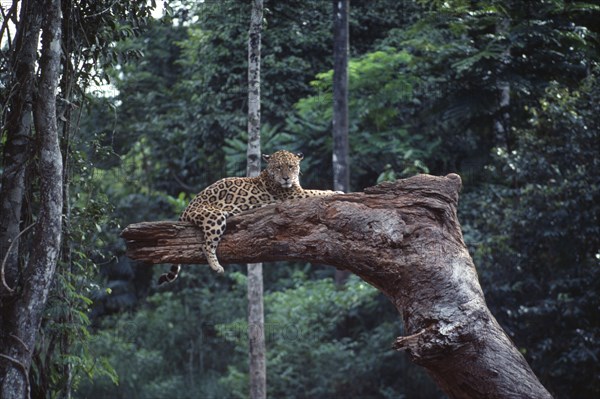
x,y
256,322
341,169
25,312
403,238
502,119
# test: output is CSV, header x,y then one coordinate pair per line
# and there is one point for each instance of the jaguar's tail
x,y
170,276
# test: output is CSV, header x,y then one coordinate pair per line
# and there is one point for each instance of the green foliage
x,y
426,79
65,350
64,357
89,32
540,250
465,54
272,139
321,338
378,134
170,345
186,101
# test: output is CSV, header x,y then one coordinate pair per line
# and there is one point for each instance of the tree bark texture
x,y
341,147
341,171
254,47
25,312
256,319
17,150
402,237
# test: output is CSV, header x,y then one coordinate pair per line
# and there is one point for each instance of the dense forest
x,y
151,108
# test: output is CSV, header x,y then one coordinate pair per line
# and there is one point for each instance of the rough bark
x,y
341,147
256,318
341,171
254,47
16,155
404,238
26,310
18,137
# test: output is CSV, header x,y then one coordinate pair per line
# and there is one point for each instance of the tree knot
x,y
432,342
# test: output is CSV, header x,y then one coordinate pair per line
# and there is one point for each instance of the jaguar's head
x,y
284,167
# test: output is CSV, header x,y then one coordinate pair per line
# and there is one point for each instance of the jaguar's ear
x,y
266,157
300,155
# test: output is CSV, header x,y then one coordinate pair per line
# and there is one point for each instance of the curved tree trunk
x,y
404,238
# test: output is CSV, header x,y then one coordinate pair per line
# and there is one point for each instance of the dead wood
x,y
402,237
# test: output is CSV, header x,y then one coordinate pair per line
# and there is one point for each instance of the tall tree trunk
x,y
17,149
402,237
256,322
25,312
502,119
341,170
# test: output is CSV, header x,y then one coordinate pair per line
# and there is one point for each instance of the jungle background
x,y
505,93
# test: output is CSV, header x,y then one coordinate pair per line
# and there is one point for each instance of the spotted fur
x,y
210,209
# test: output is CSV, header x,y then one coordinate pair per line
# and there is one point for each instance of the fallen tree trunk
x,y
404,238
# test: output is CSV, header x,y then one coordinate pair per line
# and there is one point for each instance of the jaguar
x,y
212,206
